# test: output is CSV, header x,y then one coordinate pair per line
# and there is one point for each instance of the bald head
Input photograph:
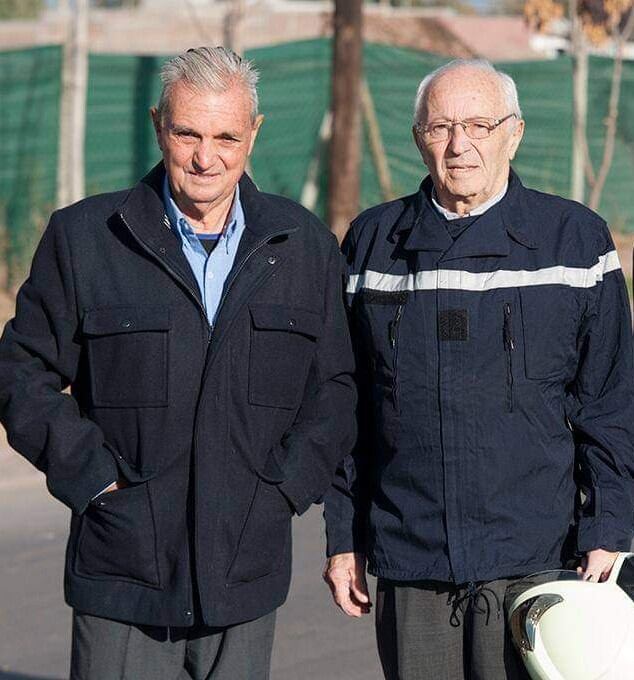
x,y
497,85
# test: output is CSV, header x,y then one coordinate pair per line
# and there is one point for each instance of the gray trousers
x,y
428,630
110,650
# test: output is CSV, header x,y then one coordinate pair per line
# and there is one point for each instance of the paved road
x,y
313,641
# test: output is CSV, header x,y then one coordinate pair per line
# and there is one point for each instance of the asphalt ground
x,y
314,641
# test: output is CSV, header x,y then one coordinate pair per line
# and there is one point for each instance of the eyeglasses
x,y
474,128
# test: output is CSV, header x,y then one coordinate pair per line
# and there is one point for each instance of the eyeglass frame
x,y
495,123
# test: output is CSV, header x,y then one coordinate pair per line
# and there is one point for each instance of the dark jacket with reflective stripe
x,y
495,376
222,433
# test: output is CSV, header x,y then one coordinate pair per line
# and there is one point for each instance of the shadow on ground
x,y
19,676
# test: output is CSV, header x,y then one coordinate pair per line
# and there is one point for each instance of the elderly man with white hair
x,y
201,328
496,422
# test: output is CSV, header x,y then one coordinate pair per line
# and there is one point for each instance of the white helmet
x,y
569,629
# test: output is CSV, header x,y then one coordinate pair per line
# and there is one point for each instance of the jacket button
x,y
272,260
188,613
126,323
291,322
162,250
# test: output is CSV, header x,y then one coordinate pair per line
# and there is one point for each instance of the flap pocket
x,y
550,321
128,355
282,318
125,319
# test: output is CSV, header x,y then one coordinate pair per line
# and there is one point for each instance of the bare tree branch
x,y
613,110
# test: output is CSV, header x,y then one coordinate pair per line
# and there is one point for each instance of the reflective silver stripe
x,y
451,279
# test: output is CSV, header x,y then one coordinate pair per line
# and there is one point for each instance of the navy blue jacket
x,y
222,433
496,412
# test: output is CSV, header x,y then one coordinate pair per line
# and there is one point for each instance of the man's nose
x,y
205,154
458,140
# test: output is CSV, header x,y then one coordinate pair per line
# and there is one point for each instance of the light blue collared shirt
x,y
211,270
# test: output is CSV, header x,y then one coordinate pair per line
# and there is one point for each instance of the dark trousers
x,y
110,650
428,630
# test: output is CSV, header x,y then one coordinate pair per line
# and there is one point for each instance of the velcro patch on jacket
x,y
383,297
453,324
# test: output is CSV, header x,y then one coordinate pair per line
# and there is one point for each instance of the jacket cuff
x,y
103,470
607,519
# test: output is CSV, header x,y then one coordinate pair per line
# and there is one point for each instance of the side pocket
x,y
265,538
393,333
117,538
509,347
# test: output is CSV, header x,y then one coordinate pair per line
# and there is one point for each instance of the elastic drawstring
x,y
475,595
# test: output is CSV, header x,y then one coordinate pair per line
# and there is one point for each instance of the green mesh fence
x,y
29,92
294,96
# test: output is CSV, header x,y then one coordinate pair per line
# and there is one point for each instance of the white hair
x,y
208,69
508,89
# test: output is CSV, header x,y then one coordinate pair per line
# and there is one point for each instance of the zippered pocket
x,y
393,328
509,347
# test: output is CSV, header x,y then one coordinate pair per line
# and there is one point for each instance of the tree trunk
x,y
70,165
233,26
612,117
579,55
345,146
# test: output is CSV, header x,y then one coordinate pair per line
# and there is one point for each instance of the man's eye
x,y
478,125
185,136
439,129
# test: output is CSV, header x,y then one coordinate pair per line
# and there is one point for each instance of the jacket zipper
x,y
509,345
393,333
201,307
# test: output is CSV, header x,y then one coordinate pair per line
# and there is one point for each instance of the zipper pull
x,y
393,326
508,336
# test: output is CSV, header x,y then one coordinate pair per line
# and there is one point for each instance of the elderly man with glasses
x,y
496,422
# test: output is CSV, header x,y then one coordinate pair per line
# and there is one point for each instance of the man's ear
x,y
516,138
255,128
419,143
156,123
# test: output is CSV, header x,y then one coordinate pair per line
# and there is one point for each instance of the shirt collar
x,y
181,225
479,210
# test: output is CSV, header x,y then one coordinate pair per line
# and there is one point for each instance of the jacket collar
x,y
143,207
421,228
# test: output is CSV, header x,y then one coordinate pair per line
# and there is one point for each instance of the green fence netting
x,y
29,115
294,96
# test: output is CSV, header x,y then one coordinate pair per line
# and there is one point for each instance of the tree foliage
x,y
20,9
601,19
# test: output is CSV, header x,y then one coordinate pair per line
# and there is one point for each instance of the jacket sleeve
x,y
39,358
601,411
346,504
324,429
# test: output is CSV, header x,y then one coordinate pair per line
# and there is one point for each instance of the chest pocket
x,y
127,349
550,319
379,315
283,341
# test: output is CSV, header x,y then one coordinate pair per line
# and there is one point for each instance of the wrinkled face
x,y
467,172
206,138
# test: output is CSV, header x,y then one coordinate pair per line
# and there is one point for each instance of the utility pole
x,y
70,165
345,145
233,26
579,52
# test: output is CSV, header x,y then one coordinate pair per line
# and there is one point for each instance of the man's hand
x,y
597,565
121,483
345,574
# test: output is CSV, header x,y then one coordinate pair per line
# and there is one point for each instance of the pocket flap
x,y
281,318
129,319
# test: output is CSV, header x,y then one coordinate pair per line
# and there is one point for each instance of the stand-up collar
x,y
144,207
421,227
